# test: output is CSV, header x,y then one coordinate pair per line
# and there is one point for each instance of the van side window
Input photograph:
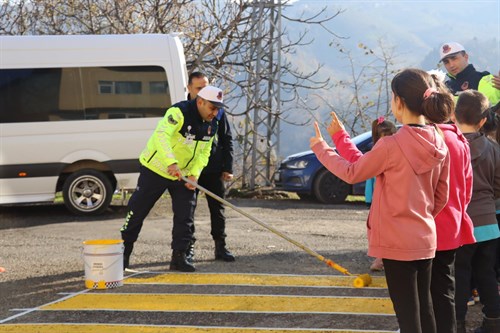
x,y
83,93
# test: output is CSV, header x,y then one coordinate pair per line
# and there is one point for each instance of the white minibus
x,y
76,111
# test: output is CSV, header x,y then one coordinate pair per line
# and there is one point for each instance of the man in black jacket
x,y
213,176
463,76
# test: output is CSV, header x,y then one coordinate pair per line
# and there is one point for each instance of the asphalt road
x,y
41,246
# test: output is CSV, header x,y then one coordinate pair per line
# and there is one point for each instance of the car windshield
x,y
356,140
362,137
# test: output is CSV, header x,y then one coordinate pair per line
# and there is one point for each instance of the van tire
x,y
330,189
87,192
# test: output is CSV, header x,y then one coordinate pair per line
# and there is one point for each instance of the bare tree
x,y
366,93
218,37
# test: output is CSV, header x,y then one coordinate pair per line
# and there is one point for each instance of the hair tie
x,y
380,120
428,93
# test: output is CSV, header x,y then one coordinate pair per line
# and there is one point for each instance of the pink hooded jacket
x,y
454,227
412,169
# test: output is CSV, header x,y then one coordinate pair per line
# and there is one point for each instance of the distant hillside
x,y
407,26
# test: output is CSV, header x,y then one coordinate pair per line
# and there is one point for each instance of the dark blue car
x,y
303,174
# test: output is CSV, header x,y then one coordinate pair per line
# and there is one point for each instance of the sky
x,y
416,30
416,27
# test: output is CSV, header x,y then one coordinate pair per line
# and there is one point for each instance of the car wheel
x,y
87,192
330,189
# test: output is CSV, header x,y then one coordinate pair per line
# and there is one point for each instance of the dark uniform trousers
x,y
150,187
214,183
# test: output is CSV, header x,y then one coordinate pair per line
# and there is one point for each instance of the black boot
x,y
461,326
179,262
127,251
190,253
221,252
490,325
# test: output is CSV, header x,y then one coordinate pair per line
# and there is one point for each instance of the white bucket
x,y
103,263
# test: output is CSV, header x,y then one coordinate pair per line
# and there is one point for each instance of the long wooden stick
x,y
268,227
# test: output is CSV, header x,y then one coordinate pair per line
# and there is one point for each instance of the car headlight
x,y
297,164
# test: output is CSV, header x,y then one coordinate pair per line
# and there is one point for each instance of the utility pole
x,y
262,120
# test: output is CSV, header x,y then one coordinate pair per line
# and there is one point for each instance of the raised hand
x,y
336,125
318,137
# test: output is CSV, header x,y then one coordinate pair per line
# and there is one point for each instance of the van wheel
x,y
330,189
87,192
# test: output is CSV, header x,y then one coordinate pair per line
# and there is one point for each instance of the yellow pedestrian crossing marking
x,y
241,302
255,280
224,303
92,328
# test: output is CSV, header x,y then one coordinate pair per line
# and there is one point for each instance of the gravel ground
x,y
42,245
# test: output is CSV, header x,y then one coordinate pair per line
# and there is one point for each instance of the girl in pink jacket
x,y
454,227
412,170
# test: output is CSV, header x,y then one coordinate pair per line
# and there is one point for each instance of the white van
x,y
76,111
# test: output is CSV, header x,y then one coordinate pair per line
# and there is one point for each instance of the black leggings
x,y
443,291
409,284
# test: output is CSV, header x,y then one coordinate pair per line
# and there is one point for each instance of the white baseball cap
x,y
448,49
214,95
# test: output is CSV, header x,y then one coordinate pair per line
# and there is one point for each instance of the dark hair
x,y
382,128
472,106
490,127
411,84
195,75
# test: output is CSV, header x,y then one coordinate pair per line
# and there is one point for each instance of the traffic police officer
x,y
463,76
180,146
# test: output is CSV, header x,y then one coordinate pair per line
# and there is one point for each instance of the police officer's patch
x,y
171,120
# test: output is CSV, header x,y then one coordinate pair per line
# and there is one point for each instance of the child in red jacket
x,y
453,226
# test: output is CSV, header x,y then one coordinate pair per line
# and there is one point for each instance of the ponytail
x,y
382,127
423,94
